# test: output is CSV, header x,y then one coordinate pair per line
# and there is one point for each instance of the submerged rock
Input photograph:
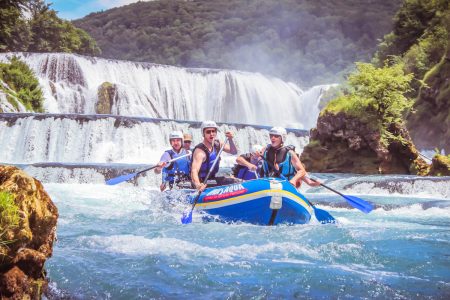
x,y
107,96
25,248
344,144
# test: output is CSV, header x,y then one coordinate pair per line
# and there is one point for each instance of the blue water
x,y
126,242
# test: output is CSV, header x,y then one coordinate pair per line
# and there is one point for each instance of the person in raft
x,y
187,141
249,165
280,160
177,171
205,153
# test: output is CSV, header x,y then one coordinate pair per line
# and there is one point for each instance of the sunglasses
x,y
210,131
187,142
274,135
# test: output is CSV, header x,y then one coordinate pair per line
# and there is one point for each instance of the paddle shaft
x,y
169,161
327,187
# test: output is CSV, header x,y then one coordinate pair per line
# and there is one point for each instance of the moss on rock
x,y
344,144
22,274
107,96
440,165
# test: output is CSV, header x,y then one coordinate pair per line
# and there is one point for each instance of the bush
x,y
21,79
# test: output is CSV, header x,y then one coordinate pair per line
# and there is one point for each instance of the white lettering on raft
x,y
225,192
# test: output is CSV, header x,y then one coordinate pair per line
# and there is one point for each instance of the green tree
x,y
21,79
14,31
376,94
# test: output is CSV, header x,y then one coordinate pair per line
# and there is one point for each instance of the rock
x,y
107,96
440,166
344,144
22,260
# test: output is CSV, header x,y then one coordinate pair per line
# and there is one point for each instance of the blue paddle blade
x,y
186,218
358,203
323,216
120,179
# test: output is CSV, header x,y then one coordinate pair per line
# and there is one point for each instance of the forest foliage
x,y
21,79
32,26
307,41
408,76
420,40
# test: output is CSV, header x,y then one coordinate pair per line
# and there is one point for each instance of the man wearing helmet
x,y
249,164
206,153
177,171
281,160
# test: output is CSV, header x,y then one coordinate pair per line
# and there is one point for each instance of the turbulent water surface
x,y
126,241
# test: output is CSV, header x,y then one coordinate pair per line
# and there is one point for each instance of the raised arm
x,y
231,146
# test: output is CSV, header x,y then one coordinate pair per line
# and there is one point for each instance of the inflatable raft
x,y
265,201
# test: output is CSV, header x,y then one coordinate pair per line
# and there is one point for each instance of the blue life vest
x,y
245,174
179,168
281,157
209,161
242,172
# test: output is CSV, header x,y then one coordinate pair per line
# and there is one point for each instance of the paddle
x,y
322,216
187,218
126,177
356,202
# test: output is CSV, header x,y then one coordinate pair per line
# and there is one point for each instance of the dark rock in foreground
x,y
26,247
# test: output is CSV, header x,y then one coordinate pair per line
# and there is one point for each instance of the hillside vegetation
x,y
309,41
363,130
32,26
420,41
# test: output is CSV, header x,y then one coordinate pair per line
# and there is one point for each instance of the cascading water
x,y
71,84
32,138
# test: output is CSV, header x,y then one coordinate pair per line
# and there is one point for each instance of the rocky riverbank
x,y
27,243
345,144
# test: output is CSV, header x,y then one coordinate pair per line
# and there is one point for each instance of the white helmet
x,y
279,131
176,135
208,124
257,148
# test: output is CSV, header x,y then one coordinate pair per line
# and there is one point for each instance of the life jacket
x,y
242,172
281,157
179,169
209,161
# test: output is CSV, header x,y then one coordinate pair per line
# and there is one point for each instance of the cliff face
x,y
430,124
344,144
26,247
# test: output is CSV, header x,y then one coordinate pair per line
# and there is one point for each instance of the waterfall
x,y
72,84
31,138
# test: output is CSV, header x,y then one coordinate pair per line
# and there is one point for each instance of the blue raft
x,y
265,201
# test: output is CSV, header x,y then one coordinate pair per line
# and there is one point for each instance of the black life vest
x,y
209,161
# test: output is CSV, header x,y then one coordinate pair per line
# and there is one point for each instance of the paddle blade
x,y
323,216
120,179
186,218
358,203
